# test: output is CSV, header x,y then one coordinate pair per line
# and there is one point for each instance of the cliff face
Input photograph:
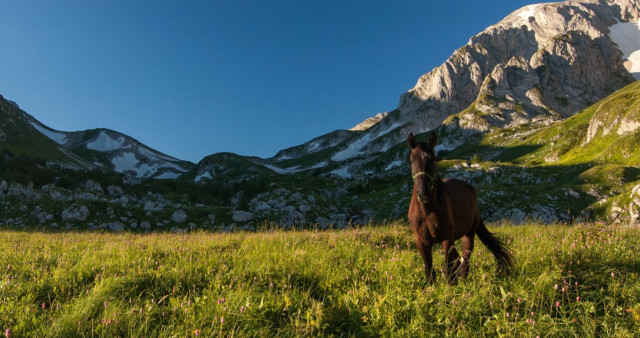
x,y
541,63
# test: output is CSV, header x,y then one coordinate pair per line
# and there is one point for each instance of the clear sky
x,y
195,77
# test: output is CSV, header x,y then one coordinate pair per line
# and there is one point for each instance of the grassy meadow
x,y
579,280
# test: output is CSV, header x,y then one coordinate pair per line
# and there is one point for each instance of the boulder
x,y
92,185
179,216
242,216
17,190
116,226
75,212
114,191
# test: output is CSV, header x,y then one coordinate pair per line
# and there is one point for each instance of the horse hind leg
x,y
467,248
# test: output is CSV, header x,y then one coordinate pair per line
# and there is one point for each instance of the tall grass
x,y
569,281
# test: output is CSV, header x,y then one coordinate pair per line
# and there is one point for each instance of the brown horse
x,y
444,210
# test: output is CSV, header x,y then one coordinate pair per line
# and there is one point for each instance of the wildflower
x,y
221,320
563,290
44,305
578,298
196,332
519,301
242,309
556,287
7,333
508,315
558,304
613,274
532,313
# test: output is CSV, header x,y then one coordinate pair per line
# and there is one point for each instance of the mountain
x,y
116,151
538,65
89,149
539,112
18,135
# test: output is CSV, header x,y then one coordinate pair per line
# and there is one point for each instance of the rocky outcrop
x,y
542,63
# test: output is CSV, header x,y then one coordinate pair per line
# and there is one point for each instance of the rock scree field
x,y
579,280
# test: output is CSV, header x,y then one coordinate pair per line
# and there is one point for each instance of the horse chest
x,y
429,226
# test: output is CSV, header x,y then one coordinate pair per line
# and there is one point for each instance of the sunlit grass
x,y
579,280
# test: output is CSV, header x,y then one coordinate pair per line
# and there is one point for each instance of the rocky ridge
x,y
538,65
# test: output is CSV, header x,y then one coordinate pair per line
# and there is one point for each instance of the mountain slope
x,y
538,65
115,151
18,135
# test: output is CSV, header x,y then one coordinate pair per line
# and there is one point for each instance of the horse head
x,y
423,167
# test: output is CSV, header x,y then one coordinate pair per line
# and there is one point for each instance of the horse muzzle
x,y
423,198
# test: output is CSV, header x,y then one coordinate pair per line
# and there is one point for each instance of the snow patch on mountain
x,y
627,36
129,163
105,143
202,176
394,164
355,149
150,154
59,138
342,172
283,170
168,175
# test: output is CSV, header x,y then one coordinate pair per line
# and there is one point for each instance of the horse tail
x,y
499,250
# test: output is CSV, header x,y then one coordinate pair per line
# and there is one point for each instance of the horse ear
x,y
413,143
433,140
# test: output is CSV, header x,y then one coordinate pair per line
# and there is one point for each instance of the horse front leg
x,y
425,252
451,260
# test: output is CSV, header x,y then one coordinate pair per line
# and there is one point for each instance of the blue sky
x,y
192,78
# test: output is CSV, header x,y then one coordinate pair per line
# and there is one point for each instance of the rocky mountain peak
x,y
541,63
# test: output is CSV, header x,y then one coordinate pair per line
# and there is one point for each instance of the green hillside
x,y
19,137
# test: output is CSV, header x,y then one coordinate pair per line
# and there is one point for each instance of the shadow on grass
x,y
504,154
